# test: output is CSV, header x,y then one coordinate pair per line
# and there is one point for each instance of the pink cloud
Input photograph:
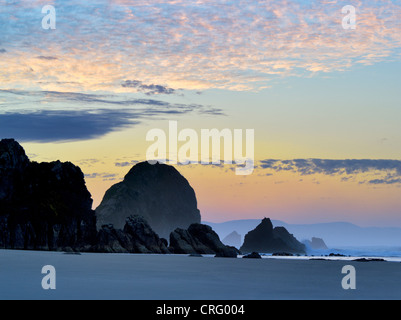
x,y
200,44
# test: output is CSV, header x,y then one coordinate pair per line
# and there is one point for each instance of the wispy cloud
x,y
389,170
389,181
126,163
109,100
46,58
140,108
102,175
148,89
331,167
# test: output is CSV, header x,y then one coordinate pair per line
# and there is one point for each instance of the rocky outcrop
x,y
316,244
43,206
110,240
233,239
253,255
158,192
282,254
266,239
199,239
136,237
370,260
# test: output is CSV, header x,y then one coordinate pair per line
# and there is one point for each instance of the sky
x,y
323,100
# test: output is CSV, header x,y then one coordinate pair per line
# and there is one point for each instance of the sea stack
x,y
266,239
158,193
316,244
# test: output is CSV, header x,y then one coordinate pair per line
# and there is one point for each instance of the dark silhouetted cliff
x,y
43,206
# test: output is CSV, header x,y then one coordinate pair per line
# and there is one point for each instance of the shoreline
x,y
305,257
312,257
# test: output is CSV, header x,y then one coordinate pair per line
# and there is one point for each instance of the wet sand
x,y
179,277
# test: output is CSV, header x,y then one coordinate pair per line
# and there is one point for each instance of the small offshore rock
x,y
253,255
282,254
369,260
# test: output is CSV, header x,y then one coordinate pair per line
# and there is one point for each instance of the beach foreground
x,y
180,277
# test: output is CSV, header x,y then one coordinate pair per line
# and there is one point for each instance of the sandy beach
x,y
171,277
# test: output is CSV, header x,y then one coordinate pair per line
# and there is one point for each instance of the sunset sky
x,y
324,101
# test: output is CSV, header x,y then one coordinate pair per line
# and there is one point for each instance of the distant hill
x,y
334,234
234,239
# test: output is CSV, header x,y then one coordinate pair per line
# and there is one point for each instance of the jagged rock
x,y
158,192
233,239
227,252
181,242
253,255
199,239
290,242
268,240
136,237
369,260
282,254
144,238
110,240
13,161
43,206
336,255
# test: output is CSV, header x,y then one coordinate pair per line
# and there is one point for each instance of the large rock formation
x,y
136,237
46,206
268,240
158,192
200,239
43,206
